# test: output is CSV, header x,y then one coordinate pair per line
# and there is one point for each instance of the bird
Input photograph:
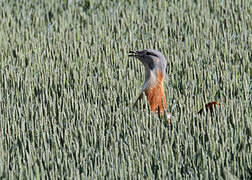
x,y
209,107
155,72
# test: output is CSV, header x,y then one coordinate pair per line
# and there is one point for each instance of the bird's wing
x,y
139,98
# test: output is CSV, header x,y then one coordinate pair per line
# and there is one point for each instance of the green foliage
x,y
67,89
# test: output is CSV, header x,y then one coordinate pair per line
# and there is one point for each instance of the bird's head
x,y
153,60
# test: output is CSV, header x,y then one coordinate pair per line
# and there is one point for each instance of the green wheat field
x,y
67,87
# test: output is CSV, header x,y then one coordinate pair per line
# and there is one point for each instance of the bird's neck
x,y
153,78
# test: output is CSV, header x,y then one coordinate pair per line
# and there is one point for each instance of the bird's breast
x,y
155,94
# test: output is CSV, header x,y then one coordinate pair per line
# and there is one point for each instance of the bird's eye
x,y
151,54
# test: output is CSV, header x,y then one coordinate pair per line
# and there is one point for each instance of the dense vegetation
x,y
68,85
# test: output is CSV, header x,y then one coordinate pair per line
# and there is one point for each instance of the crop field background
x,y
67,87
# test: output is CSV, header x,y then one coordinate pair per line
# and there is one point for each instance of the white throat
x,y
150,80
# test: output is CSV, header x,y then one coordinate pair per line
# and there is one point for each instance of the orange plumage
x,y
156,96
209,107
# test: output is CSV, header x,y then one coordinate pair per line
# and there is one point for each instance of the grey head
x,y
153,61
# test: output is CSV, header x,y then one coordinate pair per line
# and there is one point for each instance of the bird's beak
x,y
136,54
